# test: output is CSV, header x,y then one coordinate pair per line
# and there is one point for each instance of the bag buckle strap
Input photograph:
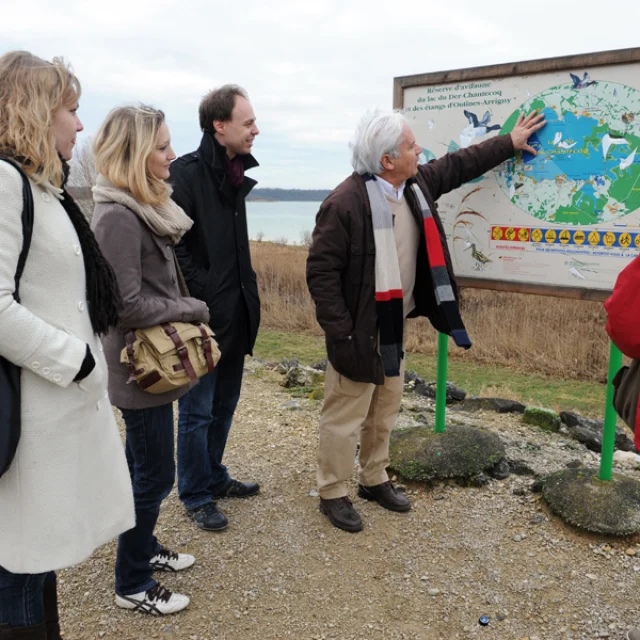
x,y
206,343
182,351
129,338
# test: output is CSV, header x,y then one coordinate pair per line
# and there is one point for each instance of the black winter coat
x,y
341,262
214,255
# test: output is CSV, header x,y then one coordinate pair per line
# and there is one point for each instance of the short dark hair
x,y
218,105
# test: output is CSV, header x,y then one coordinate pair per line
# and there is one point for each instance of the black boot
x,y
386,496
51,610
34,632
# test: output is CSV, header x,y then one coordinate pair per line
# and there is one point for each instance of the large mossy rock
x,y
584,501
544,418
419,453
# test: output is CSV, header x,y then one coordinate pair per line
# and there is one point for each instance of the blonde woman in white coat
x,y
68,489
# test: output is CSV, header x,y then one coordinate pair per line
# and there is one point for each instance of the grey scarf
x,y
166,220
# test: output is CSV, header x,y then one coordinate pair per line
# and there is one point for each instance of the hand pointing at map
x,y
525,127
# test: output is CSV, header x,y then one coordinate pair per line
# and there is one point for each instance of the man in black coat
x,y
210,185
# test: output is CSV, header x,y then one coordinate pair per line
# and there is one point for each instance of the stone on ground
x,y
428,390
499,405
544,418
588,431
581,499
419,453
300,376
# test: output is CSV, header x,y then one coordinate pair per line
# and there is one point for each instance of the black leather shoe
x,y
386,496
341,513
237,489
208,517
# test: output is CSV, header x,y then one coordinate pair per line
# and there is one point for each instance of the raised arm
x,y
454,169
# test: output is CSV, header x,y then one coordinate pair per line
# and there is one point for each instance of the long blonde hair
x,y
123,146
32,90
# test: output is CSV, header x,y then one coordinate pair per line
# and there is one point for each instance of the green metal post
x,y
441,382
610,418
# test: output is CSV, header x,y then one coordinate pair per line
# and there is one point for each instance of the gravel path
x,y
280,570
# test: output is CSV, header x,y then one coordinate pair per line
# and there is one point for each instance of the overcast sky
x,y
311,68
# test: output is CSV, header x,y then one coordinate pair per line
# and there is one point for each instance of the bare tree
x,y
259,236
306,238
83,166
83,176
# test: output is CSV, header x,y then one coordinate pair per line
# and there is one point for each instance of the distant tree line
x,y
289,195
83,177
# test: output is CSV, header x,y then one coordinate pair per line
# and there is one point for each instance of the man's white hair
x,y
378,134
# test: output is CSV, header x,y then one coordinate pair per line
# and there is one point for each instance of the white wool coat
x,y
68,490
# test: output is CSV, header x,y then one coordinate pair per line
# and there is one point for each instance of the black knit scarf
x,y
103,295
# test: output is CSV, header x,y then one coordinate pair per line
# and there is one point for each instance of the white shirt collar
x,y
389,190
56,192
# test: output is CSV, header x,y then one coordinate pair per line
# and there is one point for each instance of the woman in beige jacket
x,y
137,225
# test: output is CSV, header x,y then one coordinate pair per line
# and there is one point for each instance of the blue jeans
x,y
204,421
22,597
150,456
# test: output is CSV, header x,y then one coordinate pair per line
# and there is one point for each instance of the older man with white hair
x,y
379,255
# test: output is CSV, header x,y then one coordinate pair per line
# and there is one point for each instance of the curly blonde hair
x,y
123,146
32,90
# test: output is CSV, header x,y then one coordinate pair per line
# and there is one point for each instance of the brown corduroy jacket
x,y
341,262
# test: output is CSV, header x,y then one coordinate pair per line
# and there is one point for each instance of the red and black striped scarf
x,y
389,296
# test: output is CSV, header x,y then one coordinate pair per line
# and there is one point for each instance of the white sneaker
x,y
167,560
157,601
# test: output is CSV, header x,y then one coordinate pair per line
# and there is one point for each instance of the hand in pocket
x,y
93,384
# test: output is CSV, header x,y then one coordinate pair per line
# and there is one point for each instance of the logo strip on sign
x,y
622,239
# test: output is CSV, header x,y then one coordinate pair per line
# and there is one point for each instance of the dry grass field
x,y
531,333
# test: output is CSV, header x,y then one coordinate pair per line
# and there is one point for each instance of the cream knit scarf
x,y
166,220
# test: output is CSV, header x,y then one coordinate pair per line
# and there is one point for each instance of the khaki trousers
x,y
353,409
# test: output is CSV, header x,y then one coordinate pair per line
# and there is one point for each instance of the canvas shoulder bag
x,y
10,398
171,355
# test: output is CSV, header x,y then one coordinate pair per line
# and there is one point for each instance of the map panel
x,y
586,170
567,217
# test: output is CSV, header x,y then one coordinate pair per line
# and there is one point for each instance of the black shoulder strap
x,y
27,223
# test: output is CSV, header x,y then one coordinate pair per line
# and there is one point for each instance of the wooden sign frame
x,y
527,68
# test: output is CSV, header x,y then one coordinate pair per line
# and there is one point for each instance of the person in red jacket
x,y
379,255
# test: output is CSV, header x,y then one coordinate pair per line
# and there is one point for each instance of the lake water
x,y
279,220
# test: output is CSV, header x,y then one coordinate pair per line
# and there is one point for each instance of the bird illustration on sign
x,y
582,84
608,141
628,161
464,230
478,256
476,128
563,144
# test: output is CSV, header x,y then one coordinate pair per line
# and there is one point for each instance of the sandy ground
x,y
280,570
